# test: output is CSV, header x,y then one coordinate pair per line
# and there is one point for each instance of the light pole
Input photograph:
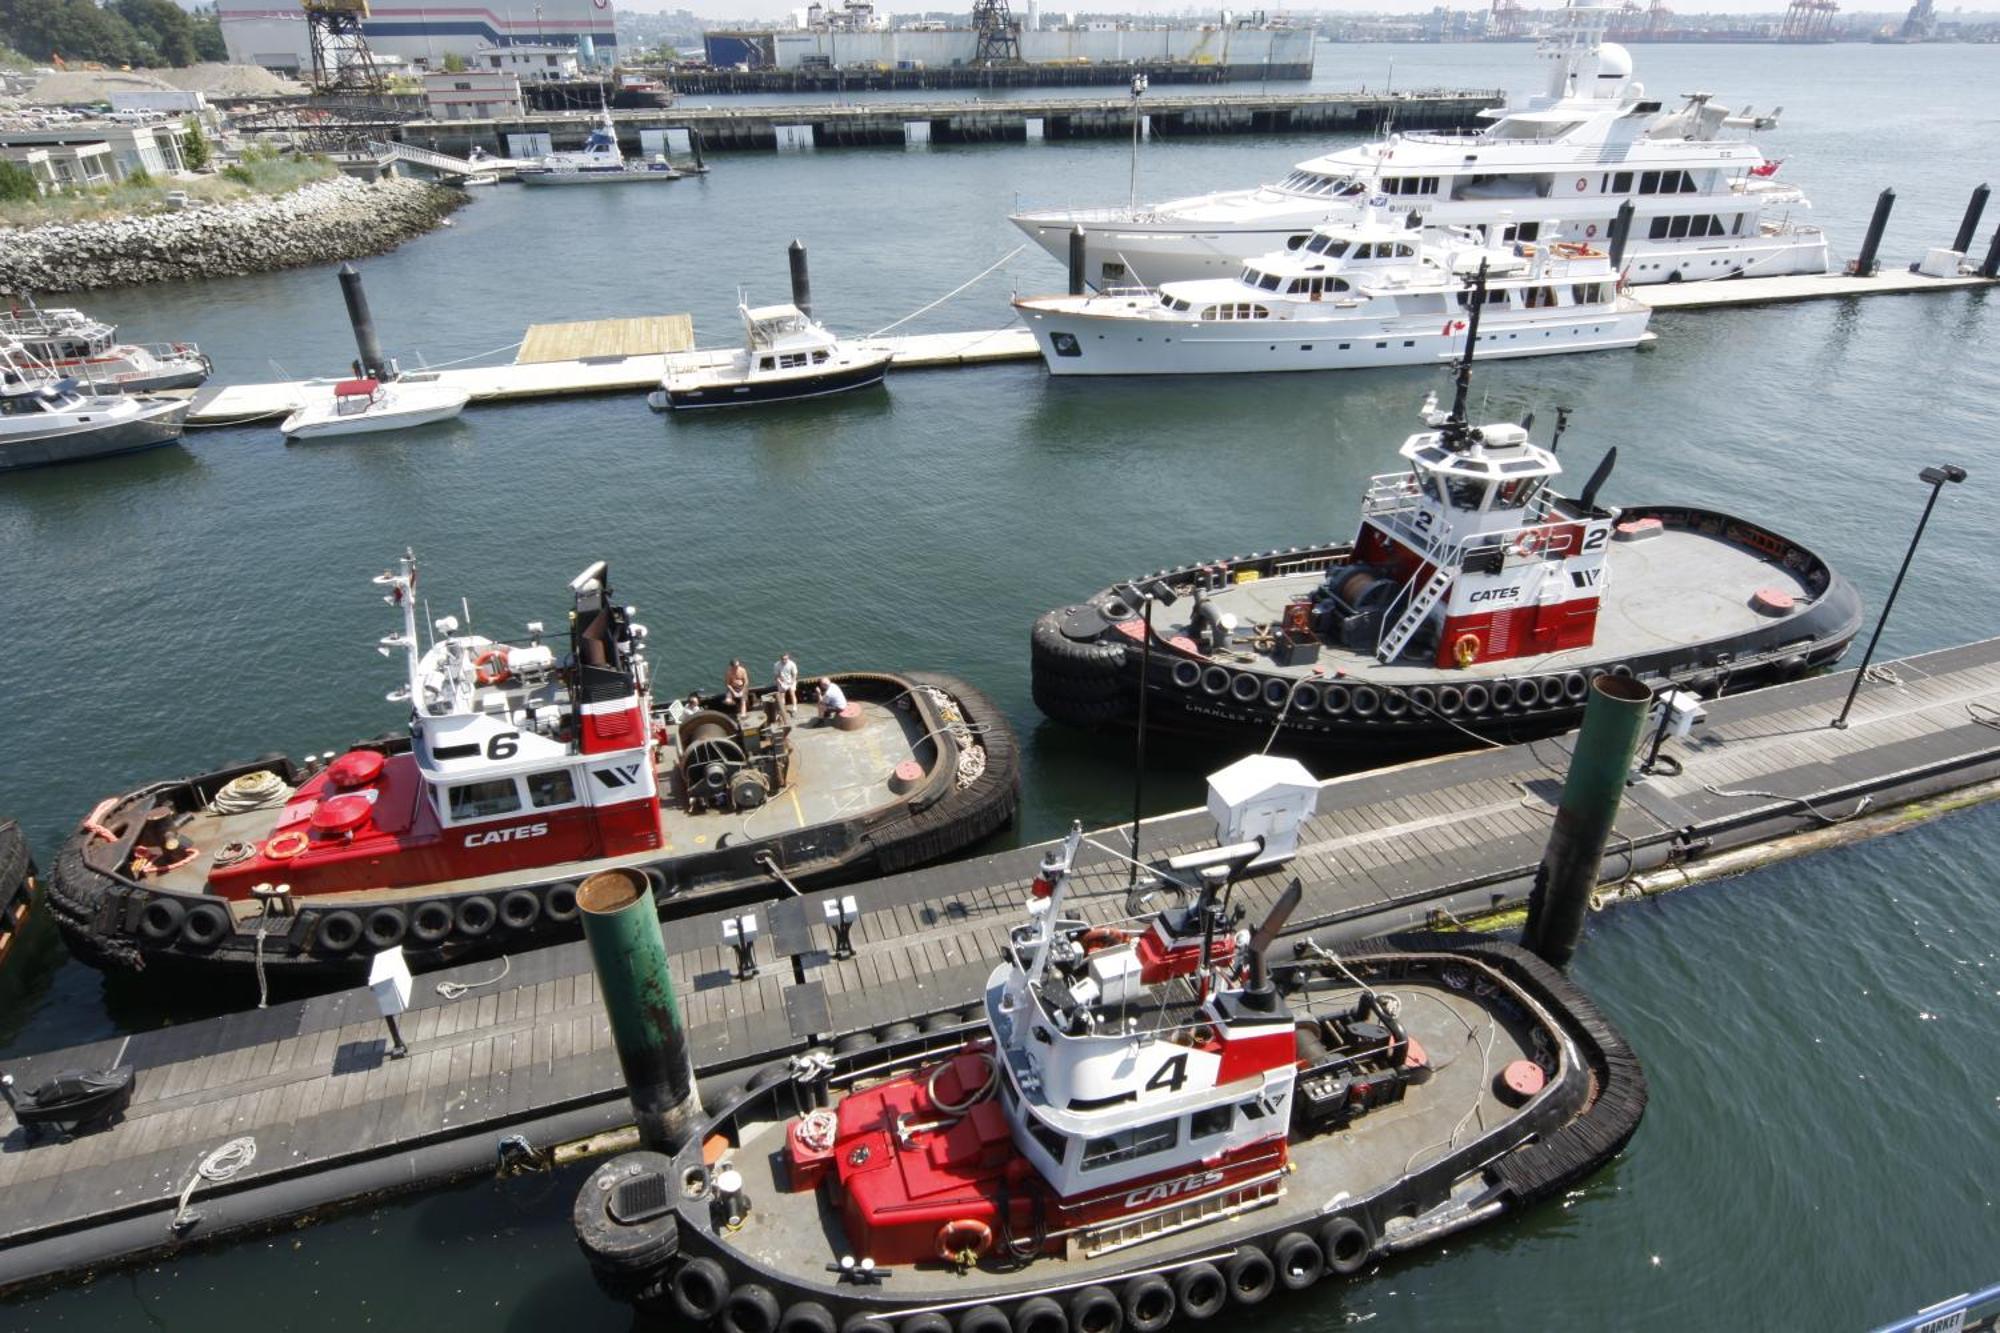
x,y
1138,90
1142,595
1937,477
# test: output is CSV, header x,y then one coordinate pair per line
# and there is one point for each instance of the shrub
x,y
17,184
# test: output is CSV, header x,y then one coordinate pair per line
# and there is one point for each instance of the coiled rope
x,y
217,1167
261,790
451,990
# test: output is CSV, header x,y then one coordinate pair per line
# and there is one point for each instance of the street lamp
x,y
1936,477
1138,90
1142,594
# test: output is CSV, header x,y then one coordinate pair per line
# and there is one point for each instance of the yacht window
x,y
554,787
1621,182
819,358
481,800
1406,251
1052,1143
766,363
1658,231
1679,229
1130,1144
1293,243
1248,277
1269,282
1215,1120
1649,182
1687,183
1338,285
1316,246
1297,287
792,360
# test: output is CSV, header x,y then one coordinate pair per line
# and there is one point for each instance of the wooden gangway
x,y
524,1049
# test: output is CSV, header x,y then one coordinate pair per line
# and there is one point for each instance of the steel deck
x,y
527,1050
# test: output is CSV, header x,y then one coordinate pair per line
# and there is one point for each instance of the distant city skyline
x,y
767,10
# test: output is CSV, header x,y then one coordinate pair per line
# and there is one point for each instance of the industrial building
x,y
1281,48
272,33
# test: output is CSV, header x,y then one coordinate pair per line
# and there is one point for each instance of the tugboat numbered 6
x,y
520,775
1147,1122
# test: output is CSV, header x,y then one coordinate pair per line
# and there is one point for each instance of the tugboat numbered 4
x,y
1144,1125
520,775
1473,599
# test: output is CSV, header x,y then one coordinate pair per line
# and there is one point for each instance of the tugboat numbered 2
x,y
1473,599
1144,1125
520,775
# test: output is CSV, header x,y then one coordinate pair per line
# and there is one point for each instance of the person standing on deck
x,y
736,686
831,698
786,672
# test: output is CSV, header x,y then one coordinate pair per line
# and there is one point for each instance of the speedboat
x,y
65,343
1147,1121
786,355
45,421
1369,293
599,162
523,768
362,406
1474,601
1554,168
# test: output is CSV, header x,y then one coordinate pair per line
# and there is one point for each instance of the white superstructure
x,y
1554,168
1370,293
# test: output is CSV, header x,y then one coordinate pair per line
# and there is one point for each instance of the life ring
x,y
482,676
1465,649
1104,937
966,1236
286,845
1590,230
1528,543
1582,184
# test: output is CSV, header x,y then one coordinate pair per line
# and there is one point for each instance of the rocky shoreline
x,y
341,218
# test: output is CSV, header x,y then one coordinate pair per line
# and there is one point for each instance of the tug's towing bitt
x,y
1474,599
1143,1123
522,773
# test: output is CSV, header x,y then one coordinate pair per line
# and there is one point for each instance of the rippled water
x,y
1818,1151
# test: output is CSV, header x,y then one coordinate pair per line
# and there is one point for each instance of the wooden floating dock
x,y
526,1049
1796,287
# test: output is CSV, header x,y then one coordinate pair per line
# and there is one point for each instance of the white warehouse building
x,y
272,33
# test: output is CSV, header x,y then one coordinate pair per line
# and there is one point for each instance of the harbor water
x,y
1820,1148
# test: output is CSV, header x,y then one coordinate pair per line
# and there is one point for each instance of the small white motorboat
x,y
362,406
786,355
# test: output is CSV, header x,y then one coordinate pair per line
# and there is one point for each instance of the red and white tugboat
x,y
521,773
1474,598
1145,1123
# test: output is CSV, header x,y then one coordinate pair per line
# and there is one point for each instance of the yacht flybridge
x,y
1555,168
1371,293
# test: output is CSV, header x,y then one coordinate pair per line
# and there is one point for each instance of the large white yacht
x,y
1373,293
1555,168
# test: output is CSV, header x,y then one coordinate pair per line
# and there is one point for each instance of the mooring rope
x,y
217,1167
451,990
953,292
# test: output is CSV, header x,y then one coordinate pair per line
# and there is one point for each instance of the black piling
x,y
372,362
1864,264
1991,268
1076,260
802,290
1974,210
1592,790
1621,232
694,146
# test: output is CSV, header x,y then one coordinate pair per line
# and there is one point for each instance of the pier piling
x,y
372,362
802,291
1864,264
1077,241
1991,268
1621,232
1592,791
622,927
694,147
1974,209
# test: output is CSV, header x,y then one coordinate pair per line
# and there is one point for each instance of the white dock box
x,y
1941,264
1263,796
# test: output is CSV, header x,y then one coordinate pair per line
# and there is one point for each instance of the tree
x,y
74,29
208,43
162,25
454,63
17,183
195,152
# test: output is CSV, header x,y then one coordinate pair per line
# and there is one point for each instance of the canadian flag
x,y
1452,326
1768,169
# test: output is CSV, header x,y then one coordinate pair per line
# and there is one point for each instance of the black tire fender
x,y
431,922
205,925
1299,1260
1039,1314
699,1287
1096,1310
1200,1291
931,1322
751,1308
1346,1245
160,919
1149,1304
560,905
807,1317
338,932
520,909
385,928
866,1323
475,917
984,1319
1250,1274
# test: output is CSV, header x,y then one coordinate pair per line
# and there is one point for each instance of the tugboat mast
x,y
1455,434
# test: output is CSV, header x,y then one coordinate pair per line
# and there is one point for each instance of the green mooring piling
x,y
622,927
1598,768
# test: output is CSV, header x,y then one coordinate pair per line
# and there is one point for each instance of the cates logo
x,y
519,833
1172,1189
1496,594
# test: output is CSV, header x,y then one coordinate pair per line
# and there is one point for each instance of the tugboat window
x,y
479,800
1466,493
1052,1142
1128,1144
554,787
1215,1120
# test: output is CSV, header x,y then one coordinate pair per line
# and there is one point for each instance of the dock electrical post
x,y
622,927
1937,477
1139,84
802,288
1598,769
372,363
1142,596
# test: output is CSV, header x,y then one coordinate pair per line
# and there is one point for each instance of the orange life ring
x,y
286,845
485,677
1103,937
967,1236
1465,651
1528,543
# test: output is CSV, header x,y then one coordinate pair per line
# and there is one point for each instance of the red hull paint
x,y
1524,631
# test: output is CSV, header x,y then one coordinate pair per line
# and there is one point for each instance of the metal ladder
x,y
1413,615
1163,1221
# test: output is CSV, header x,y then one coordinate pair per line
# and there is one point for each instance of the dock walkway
x,y
525,1049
